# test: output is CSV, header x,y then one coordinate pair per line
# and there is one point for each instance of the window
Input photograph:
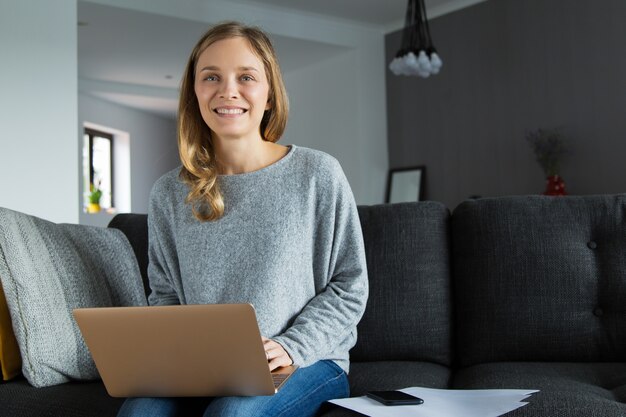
x,y
98,166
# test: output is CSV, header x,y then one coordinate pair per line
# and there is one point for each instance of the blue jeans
x,y
301,395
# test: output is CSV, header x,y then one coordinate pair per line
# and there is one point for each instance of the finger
x,y
270,348
274,350
279,361
268,343
276,354
271,345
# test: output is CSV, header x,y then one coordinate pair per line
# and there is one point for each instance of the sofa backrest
x,y
409,312
540,279
135,227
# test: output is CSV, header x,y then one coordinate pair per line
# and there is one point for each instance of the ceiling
x,y
374,12
126,56
387,15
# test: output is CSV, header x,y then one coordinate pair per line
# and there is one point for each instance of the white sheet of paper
x,y
444,403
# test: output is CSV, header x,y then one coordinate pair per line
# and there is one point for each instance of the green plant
x,y
95,193
549,147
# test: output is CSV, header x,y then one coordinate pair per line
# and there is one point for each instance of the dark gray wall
x,y
510,66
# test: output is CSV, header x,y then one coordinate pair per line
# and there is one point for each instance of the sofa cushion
x,y
540,279
391,375
49,269
566,389
332,410
73,399
388,375
408,314
10,359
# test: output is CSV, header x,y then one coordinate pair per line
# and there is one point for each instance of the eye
x,y
211,77
247,78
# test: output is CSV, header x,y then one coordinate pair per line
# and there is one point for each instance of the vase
x,y
555,186
93,208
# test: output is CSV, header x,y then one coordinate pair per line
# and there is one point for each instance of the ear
x,y
268,105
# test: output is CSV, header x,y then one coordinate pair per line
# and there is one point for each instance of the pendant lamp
x,y
417,55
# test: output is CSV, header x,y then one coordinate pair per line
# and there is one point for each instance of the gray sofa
x,y
514,292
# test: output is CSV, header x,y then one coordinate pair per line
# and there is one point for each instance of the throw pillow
x,y
10,359
49,269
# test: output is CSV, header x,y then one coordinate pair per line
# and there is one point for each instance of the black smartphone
x,y
394,398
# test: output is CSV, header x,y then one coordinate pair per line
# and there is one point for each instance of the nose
x,y
229,88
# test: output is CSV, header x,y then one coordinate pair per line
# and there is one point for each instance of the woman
x,y
246,220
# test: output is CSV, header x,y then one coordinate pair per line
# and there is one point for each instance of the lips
x,y
230,110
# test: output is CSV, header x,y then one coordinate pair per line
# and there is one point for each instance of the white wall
x,y
337,112
39,172
318,118
339,104
371,110
38,108
153,148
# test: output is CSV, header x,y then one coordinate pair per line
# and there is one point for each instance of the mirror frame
x,y
394,172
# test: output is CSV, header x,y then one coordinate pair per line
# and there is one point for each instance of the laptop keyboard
x,y
278,379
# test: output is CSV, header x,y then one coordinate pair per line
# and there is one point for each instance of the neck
x,y
238,156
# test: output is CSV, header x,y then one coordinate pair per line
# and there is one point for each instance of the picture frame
x,y
406,184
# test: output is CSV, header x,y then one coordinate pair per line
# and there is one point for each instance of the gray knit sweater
x,y
289,243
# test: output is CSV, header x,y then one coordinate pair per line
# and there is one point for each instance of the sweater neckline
x,y
261,171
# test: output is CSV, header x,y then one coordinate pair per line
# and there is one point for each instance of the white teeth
x,y
229,111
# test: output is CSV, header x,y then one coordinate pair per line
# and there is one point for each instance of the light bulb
x,y
410,59
435,63
395,66
408,63
423,62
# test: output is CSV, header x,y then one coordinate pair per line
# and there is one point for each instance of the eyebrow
x,y
215,68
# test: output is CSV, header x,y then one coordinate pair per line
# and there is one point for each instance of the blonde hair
x,y
195,146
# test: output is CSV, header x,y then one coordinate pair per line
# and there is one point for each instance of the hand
x,y
276,355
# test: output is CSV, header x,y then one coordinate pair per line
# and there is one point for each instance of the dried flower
x,y
549,147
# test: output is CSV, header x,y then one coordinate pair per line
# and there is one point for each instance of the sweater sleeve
x,y
163,261
329,319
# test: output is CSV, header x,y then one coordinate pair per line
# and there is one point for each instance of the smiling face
x,y
232,89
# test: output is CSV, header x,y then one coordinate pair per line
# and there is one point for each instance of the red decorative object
x,y
555,186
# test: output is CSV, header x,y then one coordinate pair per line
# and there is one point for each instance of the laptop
x,y
179,351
